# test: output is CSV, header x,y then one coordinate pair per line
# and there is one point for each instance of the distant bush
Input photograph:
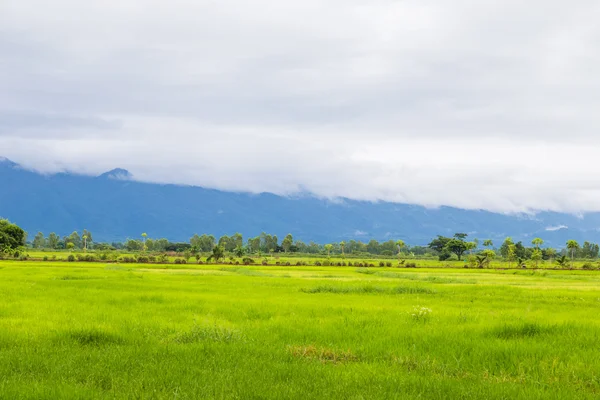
x,y
287,264
143,259
587,265
277,263
237,262
326,263
411,265
265,262
45,258
388,264
371,265
152,258
381,264
23,257
445,256
180,261
318,263
71,258
247,260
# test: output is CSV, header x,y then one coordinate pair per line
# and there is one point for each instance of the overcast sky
x,y
469,103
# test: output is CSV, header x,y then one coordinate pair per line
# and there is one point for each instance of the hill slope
x,y
114,207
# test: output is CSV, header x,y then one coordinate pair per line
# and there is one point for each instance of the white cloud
x,y
556,228
472,104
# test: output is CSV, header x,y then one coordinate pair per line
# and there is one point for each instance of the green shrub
x,y
381,264
71,258
247,260
326,263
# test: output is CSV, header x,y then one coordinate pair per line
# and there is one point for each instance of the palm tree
x,y
84,243
537,242
572,245
400,244
144,236
328,247
343,246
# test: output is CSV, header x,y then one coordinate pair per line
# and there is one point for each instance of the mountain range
x,y
113,206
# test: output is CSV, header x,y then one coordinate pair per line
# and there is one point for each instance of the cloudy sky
x,y
476,104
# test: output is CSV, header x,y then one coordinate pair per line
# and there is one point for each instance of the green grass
x,y
105,331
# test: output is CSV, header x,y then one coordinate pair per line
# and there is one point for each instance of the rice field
x,y
100,331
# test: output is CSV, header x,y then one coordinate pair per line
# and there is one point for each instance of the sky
x,y
474,104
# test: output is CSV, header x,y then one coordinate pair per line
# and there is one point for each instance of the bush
x,y
142,259
381,264
45,258
411,265
445,256
237,262
23,257
588,265
265,262
180,261
326,263
277,263
71,258
103,257
287,264
247,260
200,262
152,259
371,265
79,257
317,263
388,264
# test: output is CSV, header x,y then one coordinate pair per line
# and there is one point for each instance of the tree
x,y
457,246
239,251
87,233
53,240
439,244
11,235
144,237
536,256
471,246
218,253
373,246
287,242
508,250
254,244
39,242
488,243
84,237
485,258
75,239
70,246
537,242
400,244
573,246
328,247
343,246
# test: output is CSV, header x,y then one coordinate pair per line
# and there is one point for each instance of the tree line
x,y
458,246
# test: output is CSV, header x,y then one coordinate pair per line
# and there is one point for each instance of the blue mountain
x,y
114,207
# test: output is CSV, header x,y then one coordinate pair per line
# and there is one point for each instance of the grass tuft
x,y
322,354
523,330
94,337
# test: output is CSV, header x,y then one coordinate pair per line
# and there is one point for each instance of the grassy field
x,y
93,330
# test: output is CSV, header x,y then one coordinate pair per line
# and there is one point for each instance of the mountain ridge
x,y
114,206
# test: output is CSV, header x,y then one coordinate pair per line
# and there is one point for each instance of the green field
x,y
97,330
